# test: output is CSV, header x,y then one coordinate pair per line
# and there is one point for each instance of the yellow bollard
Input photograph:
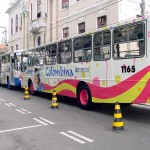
x,y
117,124
26,94
54,103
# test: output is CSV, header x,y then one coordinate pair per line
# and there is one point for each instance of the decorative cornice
x,y
13,6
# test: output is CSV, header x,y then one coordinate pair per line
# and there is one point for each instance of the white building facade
x,y
38,22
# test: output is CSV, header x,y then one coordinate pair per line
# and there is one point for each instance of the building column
x,y
49,21
26,29
23,31
54,20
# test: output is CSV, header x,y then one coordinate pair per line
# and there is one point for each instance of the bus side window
x,y
51,54
133,45
101,46
40,56
24,62
64,52
82,49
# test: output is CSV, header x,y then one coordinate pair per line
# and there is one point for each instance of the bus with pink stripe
x,y
105,66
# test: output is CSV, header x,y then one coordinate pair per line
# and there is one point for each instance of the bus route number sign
x,y
127,69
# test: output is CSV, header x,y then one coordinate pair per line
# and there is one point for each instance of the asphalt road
x,y
34,125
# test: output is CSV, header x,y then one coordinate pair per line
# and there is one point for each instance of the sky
x,y
4,5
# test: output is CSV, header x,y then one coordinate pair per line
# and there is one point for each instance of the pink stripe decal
x,y
143,97
68,93
72,82
109,92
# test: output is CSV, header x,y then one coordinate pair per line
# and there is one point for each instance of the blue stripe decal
x,y
17,82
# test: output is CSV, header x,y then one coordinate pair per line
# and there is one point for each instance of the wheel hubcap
x,y
84,97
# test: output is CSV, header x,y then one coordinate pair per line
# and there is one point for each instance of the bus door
x,y
129,61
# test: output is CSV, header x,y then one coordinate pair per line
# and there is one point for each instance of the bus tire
x,y
8,84
84,97
31,89
126,104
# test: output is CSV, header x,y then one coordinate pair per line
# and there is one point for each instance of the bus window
x,y
24,62
51,54
102,45
31,57
64,52
39,56
17,61
83,49
129,41
5,59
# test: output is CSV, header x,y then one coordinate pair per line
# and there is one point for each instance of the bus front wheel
x,y
84,97
8,84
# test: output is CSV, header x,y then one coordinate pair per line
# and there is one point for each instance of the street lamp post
x,y
5,32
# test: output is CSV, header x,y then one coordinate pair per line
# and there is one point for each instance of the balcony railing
x,y
36,25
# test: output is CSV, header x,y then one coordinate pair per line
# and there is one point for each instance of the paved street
x,y
33,125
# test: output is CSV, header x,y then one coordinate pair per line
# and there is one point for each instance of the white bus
x,y
107,66
10,67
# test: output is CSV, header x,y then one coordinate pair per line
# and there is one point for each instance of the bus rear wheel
x,y
31,89
84,97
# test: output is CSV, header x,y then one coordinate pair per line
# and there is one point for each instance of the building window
x,y
101,21
65,3
17,47
65,32
11,26
81,27
39,8
12,48
16,23
31,11
34,42
44,35
20,22
38,41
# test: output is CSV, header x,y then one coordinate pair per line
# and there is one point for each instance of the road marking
x,y
73,138
20,128
77,135
2,100
43,123
7,104
21,111
26,110
83,137
47,120
12,104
